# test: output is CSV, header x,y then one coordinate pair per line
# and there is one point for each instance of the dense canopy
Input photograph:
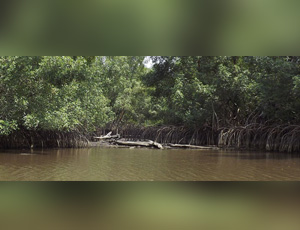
x,y
66,93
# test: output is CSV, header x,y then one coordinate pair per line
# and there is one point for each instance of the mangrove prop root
x,y
43,139
282,138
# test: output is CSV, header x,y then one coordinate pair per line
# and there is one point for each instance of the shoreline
x,y
253,137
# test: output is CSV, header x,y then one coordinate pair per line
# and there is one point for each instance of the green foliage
x,y
6,127
86,92
52,93
121,83
225,90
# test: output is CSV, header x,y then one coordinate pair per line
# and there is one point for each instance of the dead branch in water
x,y
169,134
139,143
108,136
193,146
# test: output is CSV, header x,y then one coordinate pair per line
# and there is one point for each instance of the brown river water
x,y
122,164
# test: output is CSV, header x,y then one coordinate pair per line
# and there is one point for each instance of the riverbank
x,y
276,138
253,136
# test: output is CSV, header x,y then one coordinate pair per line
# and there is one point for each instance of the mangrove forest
x,y
244,102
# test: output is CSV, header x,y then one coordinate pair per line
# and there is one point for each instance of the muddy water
x,y
102,164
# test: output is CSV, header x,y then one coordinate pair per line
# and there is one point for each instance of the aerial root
x,y
282,138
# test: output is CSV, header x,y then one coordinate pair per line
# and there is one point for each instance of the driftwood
x,y
139,143
158,145
112,139
108,136
192,146
149,143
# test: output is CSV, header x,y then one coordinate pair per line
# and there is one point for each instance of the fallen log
x,y
158,145
108,137
192,146
134,143
139,143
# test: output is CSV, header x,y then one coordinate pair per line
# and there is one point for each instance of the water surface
x,y
117,164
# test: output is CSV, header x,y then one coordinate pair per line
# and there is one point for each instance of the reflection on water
x,y
146,164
